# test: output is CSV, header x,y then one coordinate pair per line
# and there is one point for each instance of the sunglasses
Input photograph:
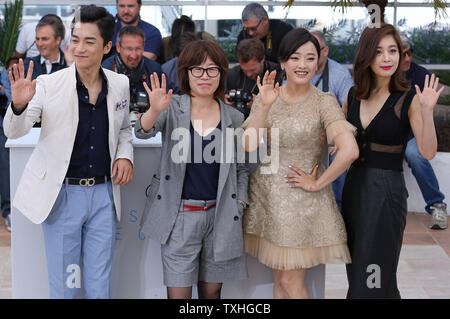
x,y
253,29
408,52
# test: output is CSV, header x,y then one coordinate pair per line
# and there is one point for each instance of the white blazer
x,y
56,103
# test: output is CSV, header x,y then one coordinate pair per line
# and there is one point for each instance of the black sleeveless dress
x,y
374,198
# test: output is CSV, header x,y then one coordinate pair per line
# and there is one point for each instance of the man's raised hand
x,y
22,88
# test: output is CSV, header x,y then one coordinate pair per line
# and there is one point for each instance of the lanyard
x,y
269,40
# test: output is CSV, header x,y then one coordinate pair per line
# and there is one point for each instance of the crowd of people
x,y
207,206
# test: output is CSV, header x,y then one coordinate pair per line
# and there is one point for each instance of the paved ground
x,y
424,269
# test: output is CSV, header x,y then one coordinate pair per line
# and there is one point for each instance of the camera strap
x,y
324,77
138,74
269,40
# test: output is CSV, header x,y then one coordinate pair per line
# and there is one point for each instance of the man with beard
x,y
128,14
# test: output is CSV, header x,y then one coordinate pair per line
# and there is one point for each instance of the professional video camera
x,y
241,98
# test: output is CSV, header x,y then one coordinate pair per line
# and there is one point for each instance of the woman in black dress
x,y
384,110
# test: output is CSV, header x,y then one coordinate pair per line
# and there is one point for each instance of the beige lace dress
x,y
288,228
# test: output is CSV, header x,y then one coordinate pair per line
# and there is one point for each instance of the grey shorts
x,y
188,257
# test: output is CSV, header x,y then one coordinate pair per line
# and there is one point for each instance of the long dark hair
x,y
366,52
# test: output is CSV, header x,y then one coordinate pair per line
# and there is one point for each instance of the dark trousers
x,y
374,211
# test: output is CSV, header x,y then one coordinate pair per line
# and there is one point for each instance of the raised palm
x,y
158,98
268,90
429,95
22,88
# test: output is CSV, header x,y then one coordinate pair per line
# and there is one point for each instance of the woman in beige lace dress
x,y
293,222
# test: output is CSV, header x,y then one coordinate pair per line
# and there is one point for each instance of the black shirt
x,y
202,175
388,130
237,80
90,154
277,30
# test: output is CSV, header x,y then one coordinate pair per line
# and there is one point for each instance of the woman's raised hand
x,y
22,88
429,96
268,90
158,98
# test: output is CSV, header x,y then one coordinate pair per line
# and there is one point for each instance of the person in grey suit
x,y
195,204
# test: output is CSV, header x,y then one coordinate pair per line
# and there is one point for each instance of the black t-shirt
x,y
237,80
201,178
277,30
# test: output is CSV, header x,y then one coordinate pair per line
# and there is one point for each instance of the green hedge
x,y
430,46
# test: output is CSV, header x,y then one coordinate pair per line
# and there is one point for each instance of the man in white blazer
x,y
85,142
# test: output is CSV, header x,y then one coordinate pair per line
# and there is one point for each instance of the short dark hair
x,y
365,54
138,2
195,53
130,30
98,15
182,24
55,22
183,40
293,40
249,49
179,26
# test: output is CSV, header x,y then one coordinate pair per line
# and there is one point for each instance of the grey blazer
x,y
164,192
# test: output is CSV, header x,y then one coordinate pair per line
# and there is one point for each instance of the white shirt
x,y
48,63
27,37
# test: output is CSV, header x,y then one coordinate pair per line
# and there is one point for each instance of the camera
x,y
241,98
138,104
139,101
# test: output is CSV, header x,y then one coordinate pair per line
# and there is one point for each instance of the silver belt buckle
x,y
87,182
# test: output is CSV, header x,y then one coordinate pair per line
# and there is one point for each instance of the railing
x,y
206,3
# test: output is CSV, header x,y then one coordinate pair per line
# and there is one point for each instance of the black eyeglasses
x,y
198,72
408,52
253,28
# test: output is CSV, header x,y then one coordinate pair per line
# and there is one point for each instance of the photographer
x,y
241,80
257,25
128,14
129,60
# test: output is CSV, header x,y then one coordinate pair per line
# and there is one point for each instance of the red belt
x,y
190,208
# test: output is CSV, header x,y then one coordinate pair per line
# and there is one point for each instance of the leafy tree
x,y
9,28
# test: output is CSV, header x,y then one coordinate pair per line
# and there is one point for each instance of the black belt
x,y
90,181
